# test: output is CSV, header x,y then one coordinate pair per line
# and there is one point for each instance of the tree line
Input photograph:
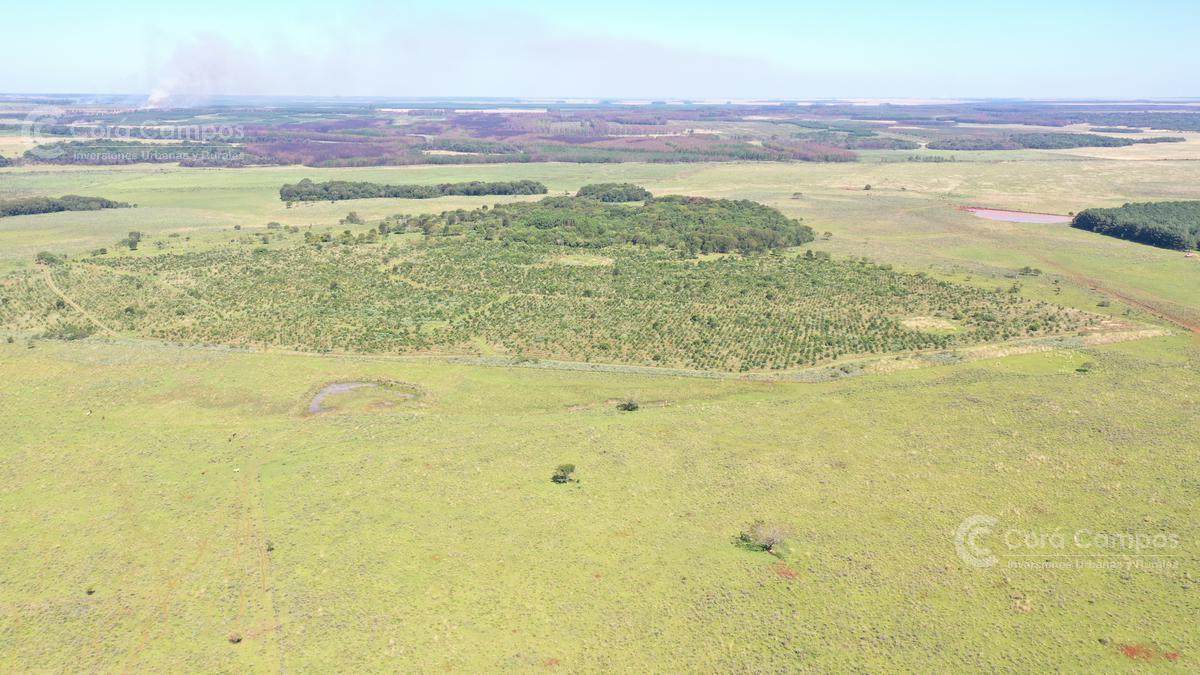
x,y
1166,224
1043,141
33,205
308,191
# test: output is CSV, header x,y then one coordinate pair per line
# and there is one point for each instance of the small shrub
x,y
565,473
628,405
69,331
763,536
48,258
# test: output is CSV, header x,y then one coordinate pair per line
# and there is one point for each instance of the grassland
x,y
201,501
189,491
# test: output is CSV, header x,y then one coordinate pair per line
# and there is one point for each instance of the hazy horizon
x,y
537,50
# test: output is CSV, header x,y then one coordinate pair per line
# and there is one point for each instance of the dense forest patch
x,y
1167,224
308,191
33,205
691,224
615,192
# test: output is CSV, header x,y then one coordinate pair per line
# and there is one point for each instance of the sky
x,y
609,49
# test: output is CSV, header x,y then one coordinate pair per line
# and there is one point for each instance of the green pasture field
x,y
175,508
190,493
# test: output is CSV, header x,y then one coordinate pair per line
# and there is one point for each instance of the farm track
x,y
162,606
1087,282
1153,310
49,279
253,534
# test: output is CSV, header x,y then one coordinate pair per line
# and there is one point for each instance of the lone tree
x,y
762,536
565,473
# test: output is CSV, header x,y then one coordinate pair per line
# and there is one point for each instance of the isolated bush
x,y
763,536
48,258
565,473
628,406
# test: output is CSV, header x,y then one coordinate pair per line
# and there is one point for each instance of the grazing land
x,y
246,436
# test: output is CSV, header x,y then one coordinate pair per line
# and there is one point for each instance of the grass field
x,y
202,502
159,500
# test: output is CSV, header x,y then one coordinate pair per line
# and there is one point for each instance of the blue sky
x,y
537,48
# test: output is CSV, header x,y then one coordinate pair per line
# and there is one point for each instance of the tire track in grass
x,y
1151,309
72,304
1086,281
253,532
250,530
161,607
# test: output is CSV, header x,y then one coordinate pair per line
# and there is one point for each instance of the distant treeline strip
x,y
1044,141
1167,224
332,191
33,205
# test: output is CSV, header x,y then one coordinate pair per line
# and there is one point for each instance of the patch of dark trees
x,y
337,190
27,206
615,192
1173,225
1043,141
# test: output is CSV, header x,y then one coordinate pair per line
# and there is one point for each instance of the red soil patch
x,y
550,663
1171,656
1137,652
784,571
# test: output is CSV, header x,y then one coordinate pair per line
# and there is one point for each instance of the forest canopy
x,y
1167,224
308,191
691,224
